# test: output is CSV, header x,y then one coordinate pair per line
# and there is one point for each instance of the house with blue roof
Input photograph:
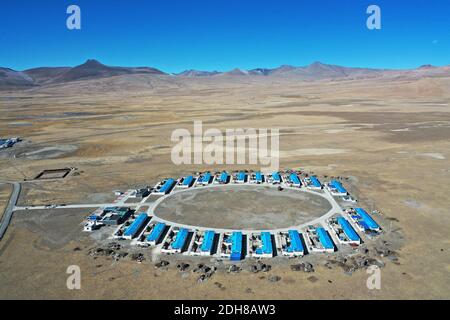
x,y
336,188
223,178
186,182
344,231
165,186
258,177
364,222
231,245
207,243
276,178
236,246
295,180
261,245
136,226
156,233
241,177
177,241
291,243
205,178
319,240
313,183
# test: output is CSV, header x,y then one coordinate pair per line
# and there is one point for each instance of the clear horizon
x,y
213,70
174,36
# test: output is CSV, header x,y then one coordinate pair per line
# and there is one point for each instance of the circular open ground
x,y
242,207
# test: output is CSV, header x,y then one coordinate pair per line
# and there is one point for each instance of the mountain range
x,y
93,69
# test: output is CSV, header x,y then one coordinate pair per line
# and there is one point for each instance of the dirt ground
x,y
242,207
390,138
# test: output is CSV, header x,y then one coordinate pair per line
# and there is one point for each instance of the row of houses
x,y
148,232
292,179
237,245
241,177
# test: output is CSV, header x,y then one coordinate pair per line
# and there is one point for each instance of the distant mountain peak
x,y
197,73
93,61
286,66
318,65
260,71
92,64
427,66
237,72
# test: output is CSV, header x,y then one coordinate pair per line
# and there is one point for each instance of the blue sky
x,y
175,35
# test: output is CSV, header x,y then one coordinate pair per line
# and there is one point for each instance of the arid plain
x,y
389,136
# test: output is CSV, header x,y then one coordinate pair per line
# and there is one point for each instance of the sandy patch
x,y
411,203
47,152
312,152
401,130
433,155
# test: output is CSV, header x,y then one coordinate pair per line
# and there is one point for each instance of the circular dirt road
x,y
242,207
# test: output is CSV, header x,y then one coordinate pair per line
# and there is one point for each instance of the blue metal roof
x,y
235,256
316,182
156,232
294,179
266,239
167,185
258,176
276,176
208,240
136,225
348,229
324,238
188,180
236,242
241,176
363,224
338,186
206,177
296,243
236,246
180,239
367,218
224,177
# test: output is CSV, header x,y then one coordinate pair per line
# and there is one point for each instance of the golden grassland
x,y
391,138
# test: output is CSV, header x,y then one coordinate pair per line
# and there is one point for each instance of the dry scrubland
x,y
391,137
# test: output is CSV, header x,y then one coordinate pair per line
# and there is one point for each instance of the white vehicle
x,y
92,225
